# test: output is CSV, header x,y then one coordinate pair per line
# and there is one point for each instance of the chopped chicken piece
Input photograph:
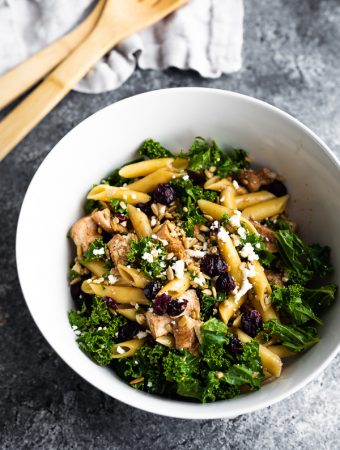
x,y
174,243
193,306
119,247
185,333
268,236
254,179
83,233
274,278
158,325
103,219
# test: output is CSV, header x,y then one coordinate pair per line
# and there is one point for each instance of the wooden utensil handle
x,y
27,74
19,122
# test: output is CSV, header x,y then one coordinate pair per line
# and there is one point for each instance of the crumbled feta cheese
x,y
149,384
200,281
141,334
99,328
99,251
98,280
196,253
74,327
120,350
235,219
241,231
147,257
112,279
247,251
236,240
124,223
178,268
153,221
245,287
186,177
222,234
214,225
249,271
77,332
235,184
258,245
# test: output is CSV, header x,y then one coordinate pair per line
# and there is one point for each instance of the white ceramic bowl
x,y
174,117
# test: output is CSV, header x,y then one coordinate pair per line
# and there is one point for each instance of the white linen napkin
x,y
204,35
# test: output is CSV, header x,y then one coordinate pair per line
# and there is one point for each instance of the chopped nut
x,y
213,290
170,273
137,380
210,218
219,374
154,209
200,237
204,228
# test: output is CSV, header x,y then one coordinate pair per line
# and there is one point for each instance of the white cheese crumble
x,y
214,225
196,253
258,245
77,332
235,219
178,268
153,221
246,285
242,232
236,240
141,334
149,384
222,234
200,281
147,257
112,279
247,251
99,251
120,350
186,177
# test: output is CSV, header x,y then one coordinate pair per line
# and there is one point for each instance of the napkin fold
x,y
204,35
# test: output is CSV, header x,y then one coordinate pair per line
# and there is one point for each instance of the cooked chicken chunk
x,y
103,219
274,278
193,306
83,233
174,243
119,248
185,332
254,179
158,325
268,236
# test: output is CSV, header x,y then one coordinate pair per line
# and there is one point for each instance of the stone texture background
x,y
291,59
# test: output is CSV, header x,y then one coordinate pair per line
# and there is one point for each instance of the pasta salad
x,y
189,280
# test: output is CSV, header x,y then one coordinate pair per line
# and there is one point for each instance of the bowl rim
x,y
153,404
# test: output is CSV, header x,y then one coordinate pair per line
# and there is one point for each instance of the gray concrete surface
x,y
291,59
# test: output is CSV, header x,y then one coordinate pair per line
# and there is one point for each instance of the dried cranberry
x,y
160,304
145,207
225,283
128,331
121,217
176,307
196,177
151,290
164,194
276,187
110,302
235,346
251,322
213,265
79,297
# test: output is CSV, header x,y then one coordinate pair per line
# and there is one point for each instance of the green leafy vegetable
x,y
294,338
148,254
214,331
321,298
208,304
289,299
280,223
188,194
90,206
152,149
267,258
114,179
204,154
95,252
301,261
118,205
96,330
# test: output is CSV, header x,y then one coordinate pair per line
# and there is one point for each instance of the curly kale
x,y
118,205
96,330
96,251
152,149
149,255
320,298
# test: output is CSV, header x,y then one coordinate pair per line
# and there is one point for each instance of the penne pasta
x,y
133,277
227,197
177,287
217,184
231,257
129,313
150,182
228,308
252,198
180,163
266,209
106,193
143,168
281,351
121,294
140,221
127,348
167,340
96,267
218,211
262,289
269,359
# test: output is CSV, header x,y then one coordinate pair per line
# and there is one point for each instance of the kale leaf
x,y
267,258
148,254
214,331
188,194
301,261
321,298
280,223
96,330
91,205
294,338
208,303
153,150
96,251
118,205
290,300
